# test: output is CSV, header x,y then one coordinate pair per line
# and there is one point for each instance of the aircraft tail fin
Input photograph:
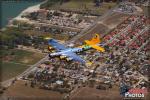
x,y
94,40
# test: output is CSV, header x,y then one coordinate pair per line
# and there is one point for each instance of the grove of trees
x,y
14,36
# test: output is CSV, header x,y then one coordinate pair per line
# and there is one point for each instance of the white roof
x,y
59,82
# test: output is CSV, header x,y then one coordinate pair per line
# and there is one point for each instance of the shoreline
x,y
28,10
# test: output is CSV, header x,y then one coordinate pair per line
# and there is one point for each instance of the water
x,y
10,9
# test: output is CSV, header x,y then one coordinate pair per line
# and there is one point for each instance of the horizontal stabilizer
x,y
101,49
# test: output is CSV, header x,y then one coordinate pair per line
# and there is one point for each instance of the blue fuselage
x,y
75,50
67,51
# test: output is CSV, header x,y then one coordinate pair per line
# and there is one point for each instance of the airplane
x,y
94,43
70,53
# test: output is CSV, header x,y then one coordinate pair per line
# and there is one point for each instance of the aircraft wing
x,y
74,57
56,45
98,48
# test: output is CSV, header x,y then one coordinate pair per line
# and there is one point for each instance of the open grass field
x,y
15,61
84,5
10,69
21,56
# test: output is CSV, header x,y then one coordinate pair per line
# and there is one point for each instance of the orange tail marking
x,y
94,40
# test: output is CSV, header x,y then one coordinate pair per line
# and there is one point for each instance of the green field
x,y
10,70
21,56
16,61
84,6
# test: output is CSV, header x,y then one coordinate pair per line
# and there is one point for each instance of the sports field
x,y
16,61
10,69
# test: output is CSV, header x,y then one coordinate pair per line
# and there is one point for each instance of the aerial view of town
x,y
74,49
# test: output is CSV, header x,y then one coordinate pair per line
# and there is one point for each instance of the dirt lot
x,y
87,93
19,91
114,19
23,92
